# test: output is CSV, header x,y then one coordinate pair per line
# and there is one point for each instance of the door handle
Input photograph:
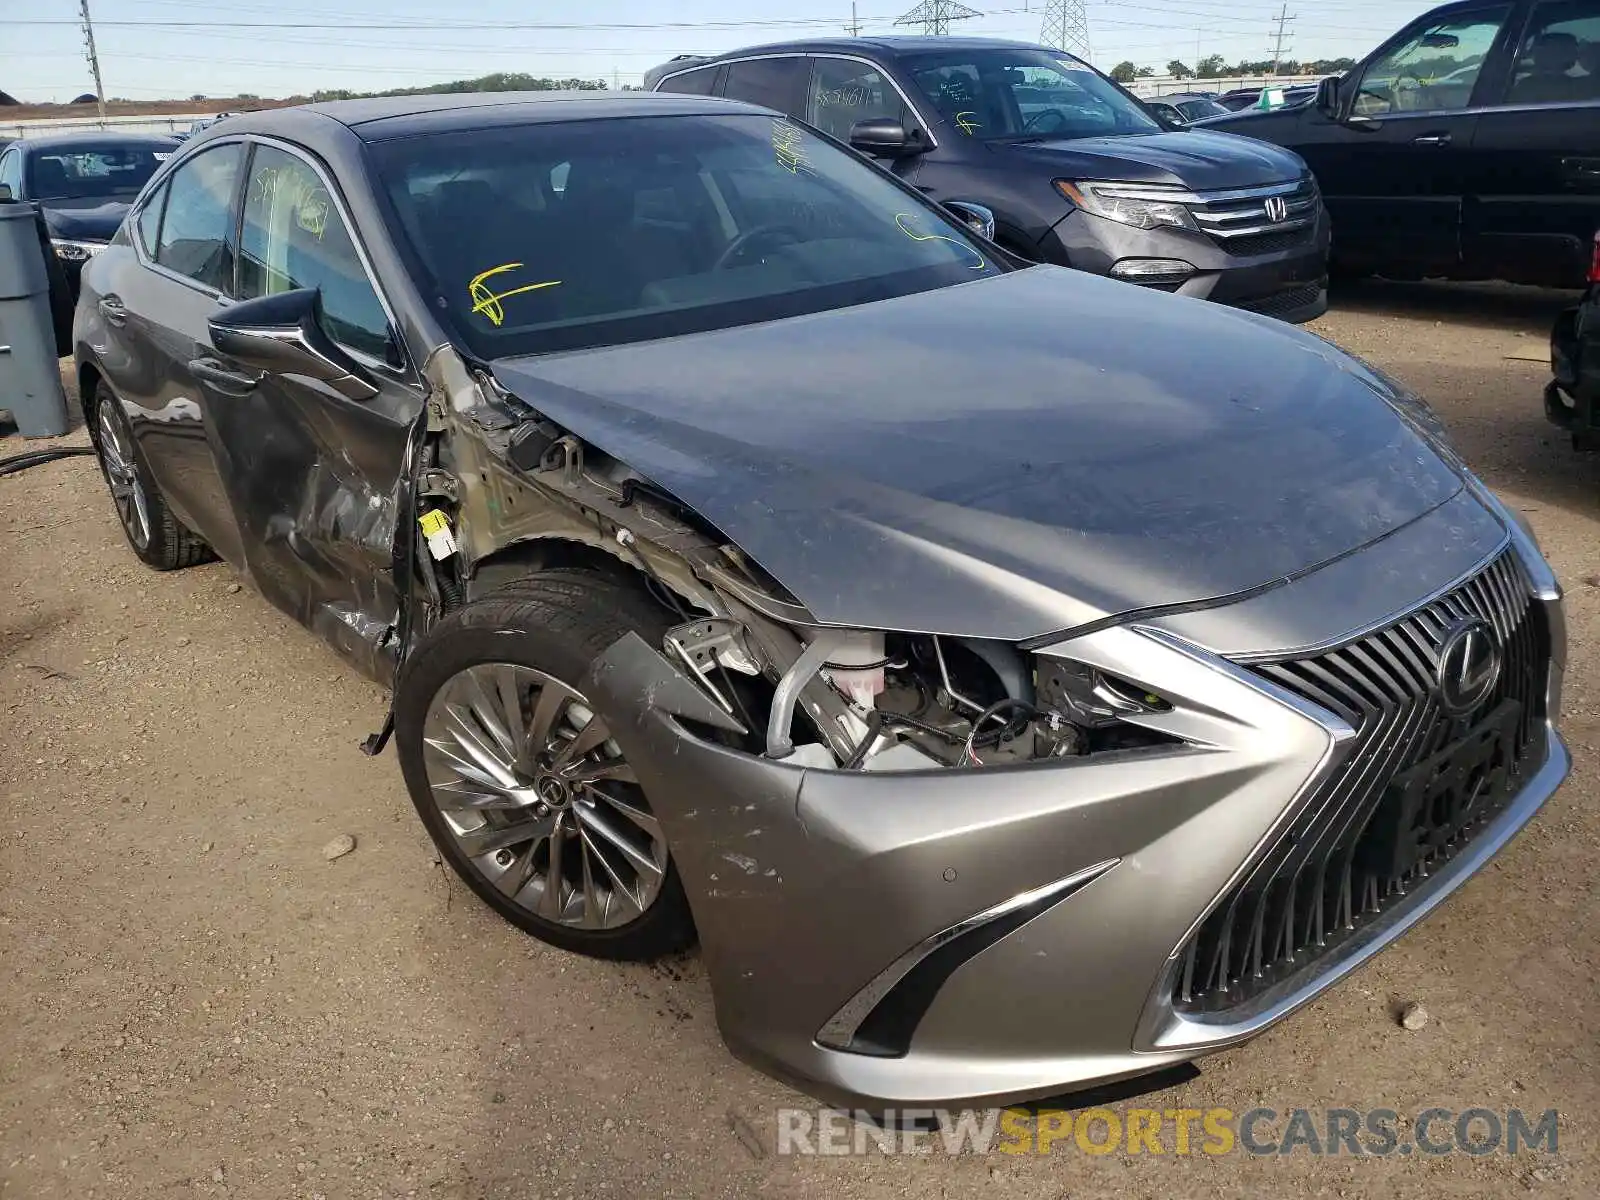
x,y
1431,139
113,310
224,380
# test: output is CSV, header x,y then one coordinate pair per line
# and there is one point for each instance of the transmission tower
x,y
1066,26
935,16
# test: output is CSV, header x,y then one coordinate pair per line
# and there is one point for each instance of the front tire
x,y
155,535
515,775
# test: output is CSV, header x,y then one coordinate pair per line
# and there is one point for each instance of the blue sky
x,y
363,44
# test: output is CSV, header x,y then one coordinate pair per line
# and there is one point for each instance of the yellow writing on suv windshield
x,y
488,302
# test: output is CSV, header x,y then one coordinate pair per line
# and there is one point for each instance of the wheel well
x,y
88,382
544,554
1017,246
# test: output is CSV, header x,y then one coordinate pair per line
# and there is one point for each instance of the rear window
x,y
91,171
559,236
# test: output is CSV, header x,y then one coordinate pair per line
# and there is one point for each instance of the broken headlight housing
x,y
859,700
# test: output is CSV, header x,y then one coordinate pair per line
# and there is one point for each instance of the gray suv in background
x,y
1076,170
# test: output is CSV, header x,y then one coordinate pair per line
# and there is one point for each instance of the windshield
x,y
559,236
89,172
1001,94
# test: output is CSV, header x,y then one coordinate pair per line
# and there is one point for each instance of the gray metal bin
x,y
30,376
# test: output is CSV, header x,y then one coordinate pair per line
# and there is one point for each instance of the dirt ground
x,y
194,1001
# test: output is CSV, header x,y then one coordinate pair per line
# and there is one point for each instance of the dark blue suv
x,y
1076,170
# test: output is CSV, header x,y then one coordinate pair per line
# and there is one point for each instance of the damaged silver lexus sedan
x,y
1014,680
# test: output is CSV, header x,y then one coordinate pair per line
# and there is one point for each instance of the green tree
x,y
1210,66
1124,72
1144,73
1179,69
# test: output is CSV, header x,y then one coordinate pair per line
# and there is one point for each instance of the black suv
x,y
1467,146
1076,170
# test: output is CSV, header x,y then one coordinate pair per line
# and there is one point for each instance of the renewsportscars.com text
x,y
1318,1132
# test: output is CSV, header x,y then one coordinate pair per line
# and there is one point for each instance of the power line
x,y
935,16
1066,27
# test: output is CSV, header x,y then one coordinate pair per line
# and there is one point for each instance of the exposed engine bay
x,y
502,493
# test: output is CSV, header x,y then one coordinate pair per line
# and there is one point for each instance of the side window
x,y
692,83
11,172
843,92
293,237
1433,68
197,231
962,99
1559,60
775,82
150,219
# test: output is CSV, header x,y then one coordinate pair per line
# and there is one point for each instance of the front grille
x,y
1279,303
1231,218
1272,243
1361,841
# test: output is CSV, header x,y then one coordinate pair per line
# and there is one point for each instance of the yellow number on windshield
x,y
907,223
488,302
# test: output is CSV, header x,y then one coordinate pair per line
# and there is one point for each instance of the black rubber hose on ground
x,y
21,462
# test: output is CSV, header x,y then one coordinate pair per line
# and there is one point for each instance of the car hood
x,y
1010,457
89,220
1195,158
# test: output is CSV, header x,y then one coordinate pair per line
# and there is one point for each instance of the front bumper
x,y
1289,282
980,937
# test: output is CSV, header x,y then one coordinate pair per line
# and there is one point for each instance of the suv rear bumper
x,y
1288,283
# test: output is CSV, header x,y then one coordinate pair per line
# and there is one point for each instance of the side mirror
x,y
975,217
884,137
1327,101
283,335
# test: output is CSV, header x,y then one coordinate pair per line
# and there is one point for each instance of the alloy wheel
x,y
116,453
540,799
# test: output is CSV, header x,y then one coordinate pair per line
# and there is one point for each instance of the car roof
x,y
98,137
889,44
381,118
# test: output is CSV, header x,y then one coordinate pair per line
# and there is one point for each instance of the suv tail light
x,y
1594,262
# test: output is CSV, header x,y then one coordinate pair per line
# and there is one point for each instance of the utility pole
x,y
94,60
854,28
1277,46
1066,26
935,16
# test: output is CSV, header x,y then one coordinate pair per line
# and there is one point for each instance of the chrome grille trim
x,y
1243,212
1312,887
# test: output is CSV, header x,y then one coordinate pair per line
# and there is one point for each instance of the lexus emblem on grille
x,y
1277,209
1469,665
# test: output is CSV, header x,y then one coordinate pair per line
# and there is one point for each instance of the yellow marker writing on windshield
x,y
489,302
965,121
907,225
788,148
